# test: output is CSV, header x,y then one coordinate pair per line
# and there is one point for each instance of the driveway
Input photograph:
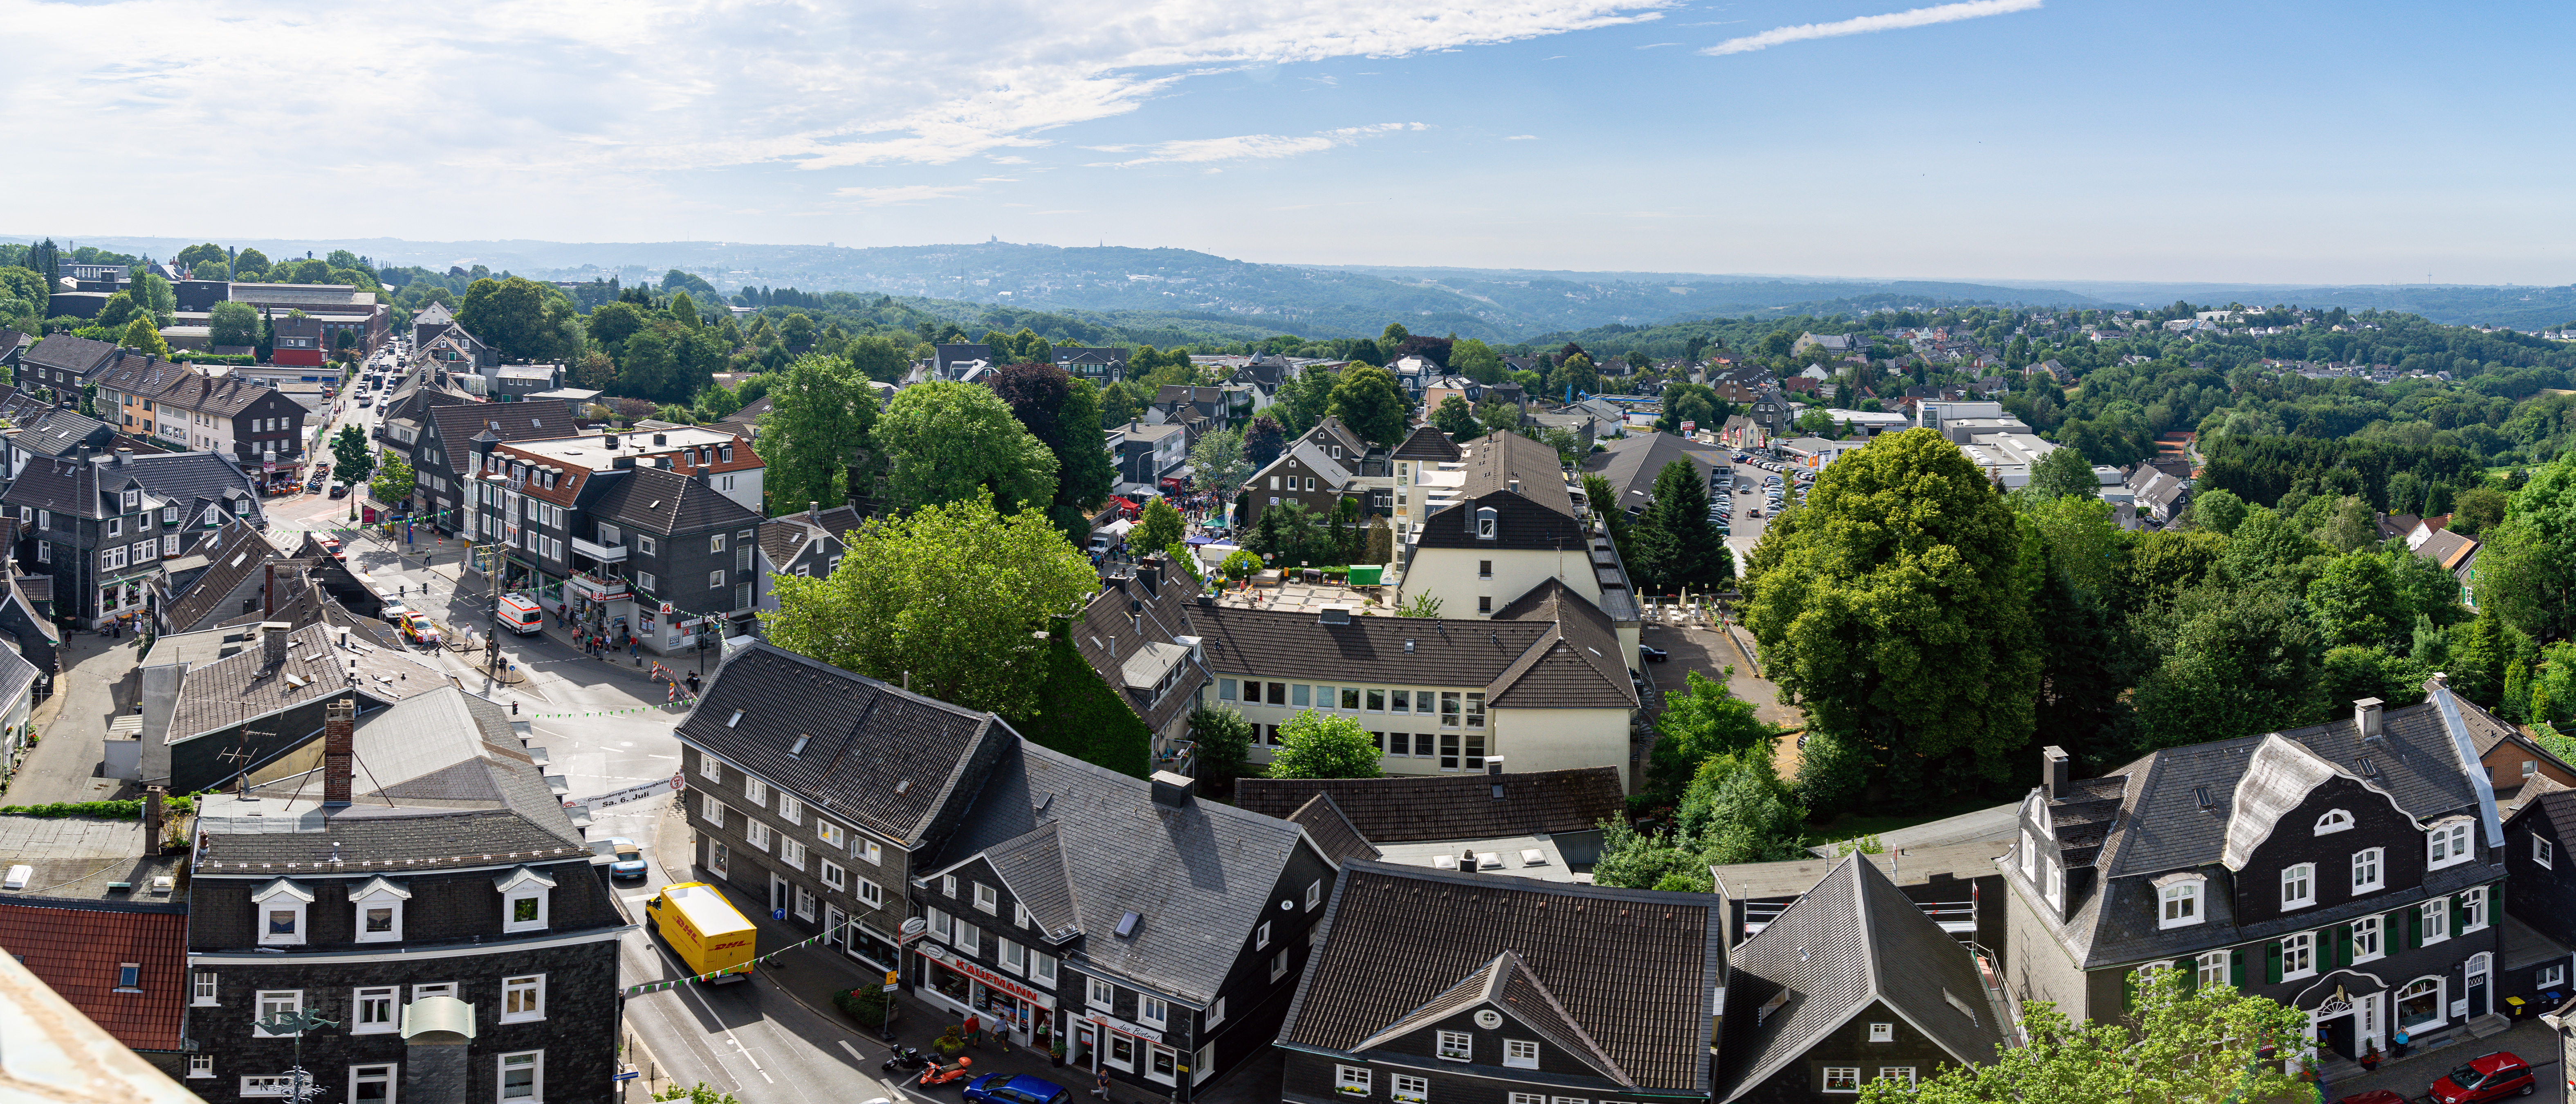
x,y
70,755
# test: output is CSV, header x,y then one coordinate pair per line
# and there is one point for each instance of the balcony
x,y
603,553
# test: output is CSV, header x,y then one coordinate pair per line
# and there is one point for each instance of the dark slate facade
x,y
2544,896
2352,869
1530,988
101,526
361,906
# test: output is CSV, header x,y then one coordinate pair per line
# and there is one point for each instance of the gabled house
x,y
1304,476
2350,869
439,905
2158,494
806,545
1633,463
1158,936
258,425
1851,984
2536,839
102,526
952,361
61,364
1137,634
1528,992
1535,824
825,793
1416,459
55,433
1101,366
2456,554
1508,525
232,701
442,458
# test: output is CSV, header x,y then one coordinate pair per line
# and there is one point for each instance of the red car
x,y
2485,1077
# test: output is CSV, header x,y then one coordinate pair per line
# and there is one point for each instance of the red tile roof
x,y
78,950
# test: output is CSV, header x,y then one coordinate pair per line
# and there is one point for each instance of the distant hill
x,y
1202,291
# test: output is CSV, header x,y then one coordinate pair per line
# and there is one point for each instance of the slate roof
x,y
60,433
1578,665
1539,516
1853,940
441,781
237,558
1333,832
1634,971
2555,809
659,500
2447,548
240,687
144,378
869,738
785,538
72,354
1631,464
191,480
455,425
76,950
751,412
1558,650
1130,614
16,674
1412,807
2147,820
1199,875
1427,443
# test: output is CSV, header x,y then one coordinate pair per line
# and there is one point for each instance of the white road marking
x,y
694,991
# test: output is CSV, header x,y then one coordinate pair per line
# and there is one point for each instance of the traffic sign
x,y
677,780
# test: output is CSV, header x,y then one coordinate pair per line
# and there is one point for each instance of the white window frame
x,y
360,1024
536,1064
2298,886
2473,901
791,809
874,853
2029,855
1314,895
2178,903
2212,969
1882,1032
267,1001
942,927
755,792
2434,917
831,834
756,834
1848,1078
1520,1053
2448,843
2369,870
528,990
834,877
201,989
375,1072
2542,851
1012,956
804,902
711,810
1409,1088
1153,1011
1351,1080
1279,965
1261,936
2369,939
948,886
201,1065
2299,948
1456,1046
520,885
1042,967
1214,1015
987,899
711,767
1893,1073
868,892
1099,993
385,895
970,939
791,853
2333,821
301,903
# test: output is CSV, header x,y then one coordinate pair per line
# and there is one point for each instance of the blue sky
x,y
2035,139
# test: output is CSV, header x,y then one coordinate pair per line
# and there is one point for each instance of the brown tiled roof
x,y
1633,971
1407,808
78,951
1332,831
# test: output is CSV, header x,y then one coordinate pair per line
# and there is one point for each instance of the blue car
x,y
629,861
1011,1088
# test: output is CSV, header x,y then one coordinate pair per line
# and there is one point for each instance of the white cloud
x,y
1893,21
1658,45
1522,138
901,193
1251,147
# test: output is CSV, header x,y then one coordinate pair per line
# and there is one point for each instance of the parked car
x,y
2485,1077
417,628
339,489
628,860
1652,654
331,547
1016,1088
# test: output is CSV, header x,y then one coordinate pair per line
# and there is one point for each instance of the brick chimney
x,y
339,747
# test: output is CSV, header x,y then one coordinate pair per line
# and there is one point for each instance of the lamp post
x,y
295,1024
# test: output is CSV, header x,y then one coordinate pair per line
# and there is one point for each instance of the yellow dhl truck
x,y
707,932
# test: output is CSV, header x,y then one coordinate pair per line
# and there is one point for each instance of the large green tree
x,y
945,442
1312,745
522,318
144,337
2181,1043
2061,473
232,324
967,632
2527,568
353,459
1677,547
393,479
1705,719
1217,463
1370,402
1894,607
818,430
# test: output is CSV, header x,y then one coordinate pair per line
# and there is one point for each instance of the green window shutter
x,y
2236,967
2128,990
2414,928
2459,913
2495,903
2343,945
2272,963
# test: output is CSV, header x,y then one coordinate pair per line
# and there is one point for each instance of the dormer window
x,y
2299,886
524,895
2056,885
1485,522
2178,897
133,500
2335,820
2448,843
379,904
280,906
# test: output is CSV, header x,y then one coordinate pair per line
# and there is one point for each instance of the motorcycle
x,y
905,1057
940,1075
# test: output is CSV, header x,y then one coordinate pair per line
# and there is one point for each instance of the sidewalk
x,y
811,975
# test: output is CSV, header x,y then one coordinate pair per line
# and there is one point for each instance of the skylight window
x,y
735,719
799,747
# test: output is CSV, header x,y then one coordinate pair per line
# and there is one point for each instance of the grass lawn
x,y
1864,824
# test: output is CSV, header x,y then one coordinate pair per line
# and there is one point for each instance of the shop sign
x,y
990,979
597,590
1122,1027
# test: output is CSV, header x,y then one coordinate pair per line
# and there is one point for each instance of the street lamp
x,y
296,1023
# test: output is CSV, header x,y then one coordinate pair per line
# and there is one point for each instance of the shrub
x,y
866,1005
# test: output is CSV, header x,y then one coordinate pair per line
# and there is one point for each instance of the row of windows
x,y
791,854
280,909
377,1009
2307,953
1414,1088
1450,705
519,1076
2179,895
1450,748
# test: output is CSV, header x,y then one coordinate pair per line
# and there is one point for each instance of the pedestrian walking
x,y
974,1031
1100,1088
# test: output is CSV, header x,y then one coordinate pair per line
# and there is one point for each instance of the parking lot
x,y
1748,495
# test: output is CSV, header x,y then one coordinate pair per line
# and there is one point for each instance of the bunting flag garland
x,y
690,701
657,986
